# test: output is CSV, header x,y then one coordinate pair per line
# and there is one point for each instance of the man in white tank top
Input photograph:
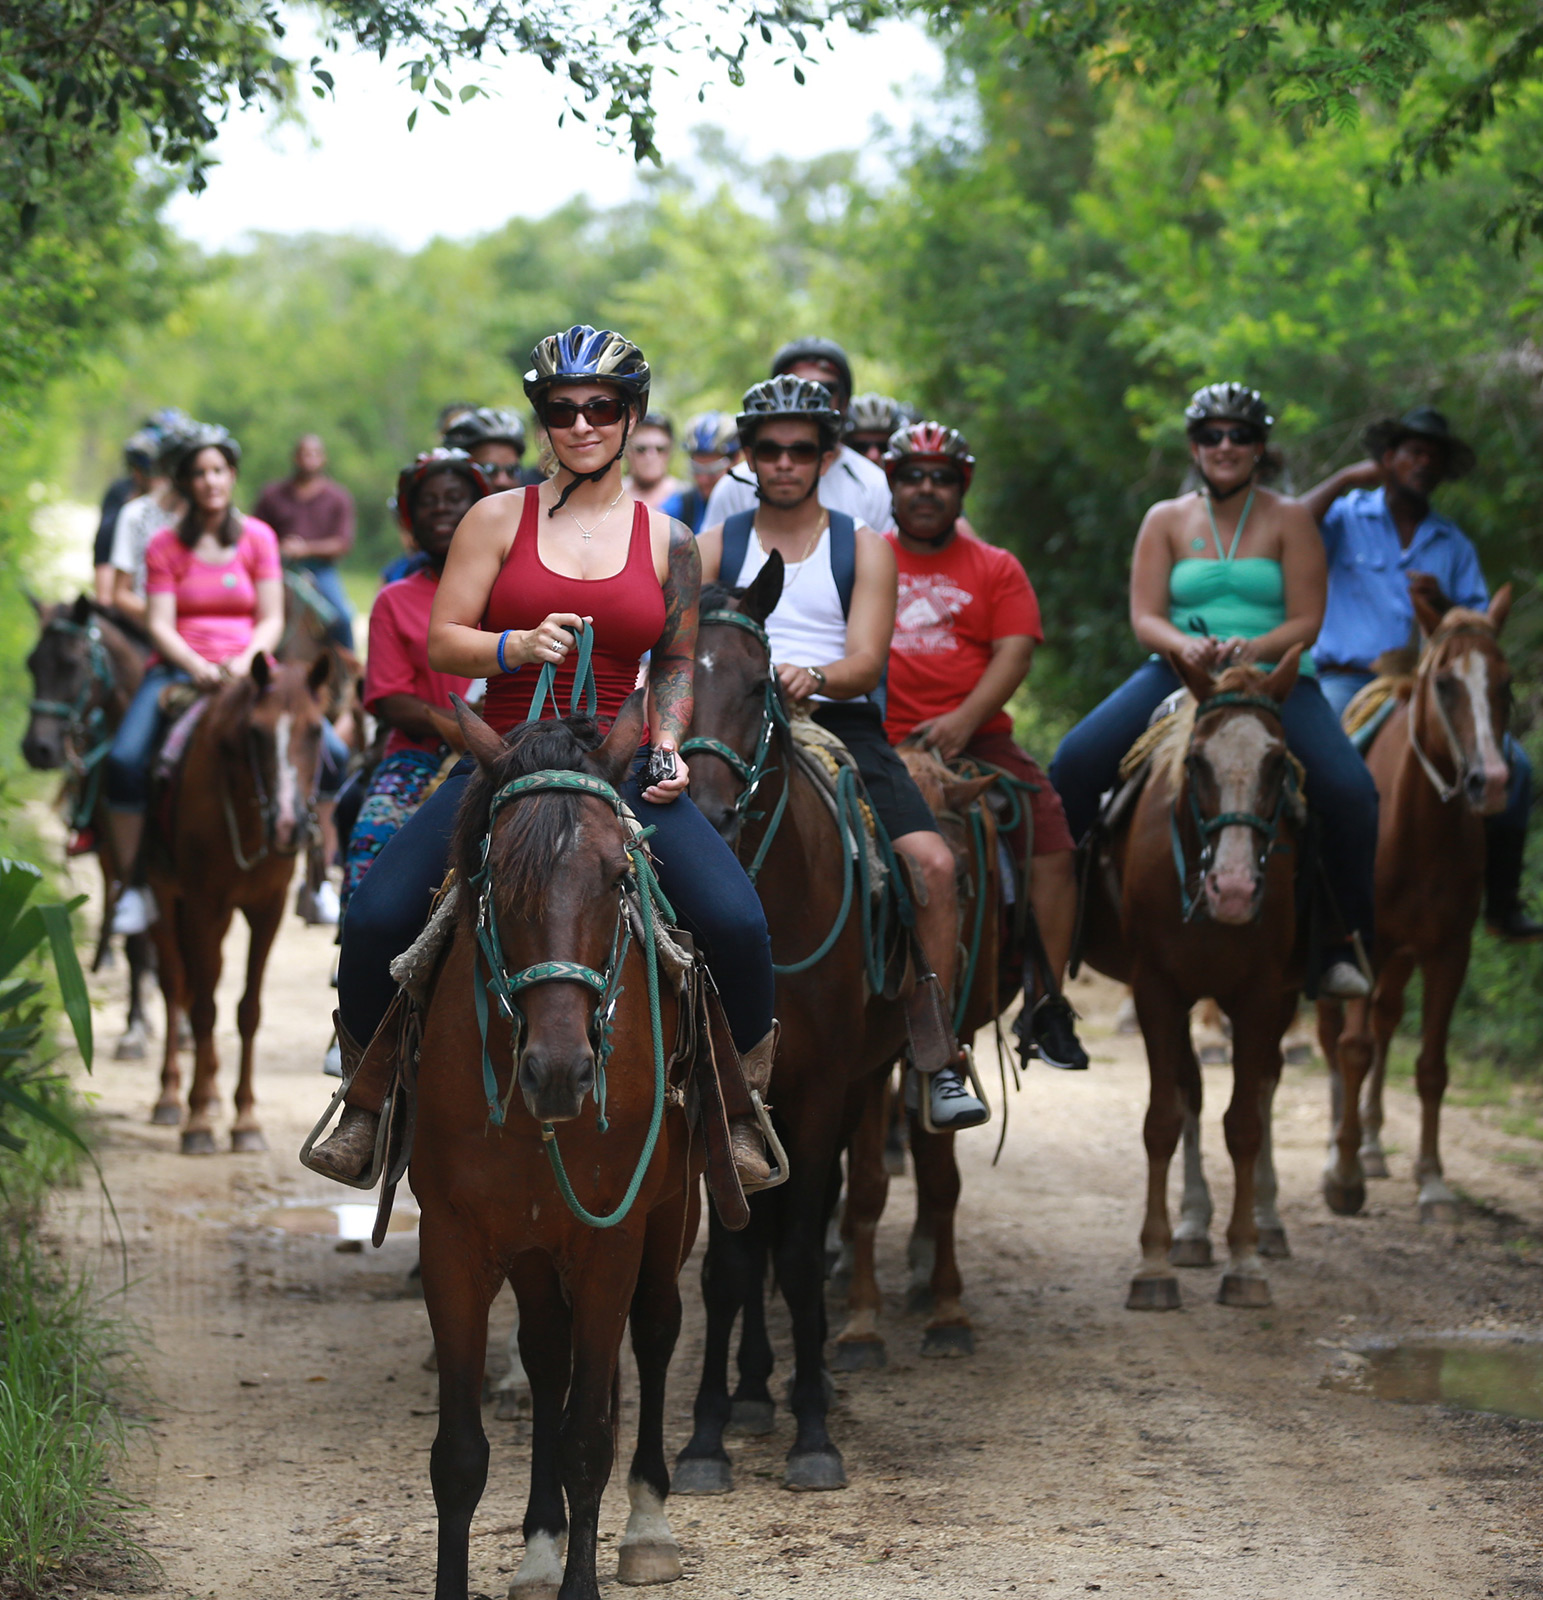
x,y
833,656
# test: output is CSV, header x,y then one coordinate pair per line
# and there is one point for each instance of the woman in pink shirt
x,y
216,598
400,687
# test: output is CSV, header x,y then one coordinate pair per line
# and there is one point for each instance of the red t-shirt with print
x,y
398,660
953,607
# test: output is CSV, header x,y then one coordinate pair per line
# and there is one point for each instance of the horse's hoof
x,y
168,1114
648,1561
894,1160
950,1340
130,1047
198,1142
1215,1055
1194,1252
753,1416
1438,1211
858,1355
702,1475
815,1469
512,1403
247,1141
920,1300
1272,1244
1344,1199
1374,1163
1244,1289
1153,1294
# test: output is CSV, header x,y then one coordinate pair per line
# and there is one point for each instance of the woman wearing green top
x,y
1234,573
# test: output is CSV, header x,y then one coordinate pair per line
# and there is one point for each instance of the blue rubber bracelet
x,y
503,639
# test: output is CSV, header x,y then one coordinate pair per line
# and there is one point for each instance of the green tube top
x,y
1240,598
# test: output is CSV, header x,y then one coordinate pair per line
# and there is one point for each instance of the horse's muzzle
x,y
1485,788
1233,896
42,755
555,1083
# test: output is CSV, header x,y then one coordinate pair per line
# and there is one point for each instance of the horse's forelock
x,y
1460,629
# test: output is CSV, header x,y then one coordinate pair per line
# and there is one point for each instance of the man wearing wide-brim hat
x,y
1379,531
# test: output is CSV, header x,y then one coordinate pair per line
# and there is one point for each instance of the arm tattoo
x,y
673,666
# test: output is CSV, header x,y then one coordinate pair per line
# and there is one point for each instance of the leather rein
x,y
1444,791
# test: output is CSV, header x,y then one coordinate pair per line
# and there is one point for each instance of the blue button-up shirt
x,y
1369,609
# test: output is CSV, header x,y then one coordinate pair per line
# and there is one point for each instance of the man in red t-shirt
x,y
965,631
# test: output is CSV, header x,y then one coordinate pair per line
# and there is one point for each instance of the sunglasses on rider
x,y
802,451
1210,437
604,411
501,469
939,477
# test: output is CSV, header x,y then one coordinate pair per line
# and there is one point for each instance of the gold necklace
x,y
819,533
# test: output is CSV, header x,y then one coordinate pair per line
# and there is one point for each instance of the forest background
x,y
1052,266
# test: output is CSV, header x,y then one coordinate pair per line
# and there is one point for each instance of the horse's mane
x,y
130,627
1166,743
531,844
719,597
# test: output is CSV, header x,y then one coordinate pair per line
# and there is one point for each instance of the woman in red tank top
x,y
526,566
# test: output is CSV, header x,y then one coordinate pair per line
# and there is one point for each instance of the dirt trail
x,y
1083,1448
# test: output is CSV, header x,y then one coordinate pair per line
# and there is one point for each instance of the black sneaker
x,y
1051,1028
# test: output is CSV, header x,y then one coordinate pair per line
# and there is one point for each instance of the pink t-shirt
x,y
399,654
216,603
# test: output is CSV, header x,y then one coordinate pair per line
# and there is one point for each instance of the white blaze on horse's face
x,y
1487,776
286,799
1236,754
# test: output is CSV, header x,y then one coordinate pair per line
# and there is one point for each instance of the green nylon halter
x,y
84,717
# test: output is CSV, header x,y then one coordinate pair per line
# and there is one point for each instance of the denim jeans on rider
x,y
325,575
127,778
1339,787
700,876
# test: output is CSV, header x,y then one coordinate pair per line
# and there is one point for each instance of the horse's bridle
x,y
85,717
1209,828
268,809
1444,791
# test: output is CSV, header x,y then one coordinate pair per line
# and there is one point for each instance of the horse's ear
x,y
959,794
1283,679
1500,607
760,599
262,673
321,670
447,727
615,756
1426,597
83,610
477,736
1195,678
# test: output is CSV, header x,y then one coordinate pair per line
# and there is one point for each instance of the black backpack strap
x,y
736,541
843,556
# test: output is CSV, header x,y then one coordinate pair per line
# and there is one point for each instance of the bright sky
x,y
357,168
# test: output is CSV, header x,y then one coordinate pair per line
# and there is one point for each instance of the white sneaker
x,y
1345,981
324,910
134,912
332,1062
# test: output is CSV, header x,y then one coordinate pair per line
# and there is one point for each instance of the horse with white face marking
x,y
1439,769
1195,897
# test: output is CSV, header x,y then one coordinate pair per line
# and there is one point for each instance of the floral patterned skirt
x,y
402,782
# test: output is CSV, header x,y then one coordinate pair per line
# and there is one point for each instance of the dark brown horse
x,y
1217,808
1440,770
224,839
936,1285
550,911
85,667
838,1037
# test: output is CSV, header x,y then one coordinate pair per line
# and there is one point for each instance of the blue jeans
x,y
1339,787
127,779
700,876
324,574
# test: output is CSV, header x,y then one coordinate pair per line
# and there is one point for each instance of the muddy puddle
x,y
1503,1376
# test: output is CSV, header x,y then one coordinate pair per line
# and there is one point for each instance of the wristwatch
x,y
817,675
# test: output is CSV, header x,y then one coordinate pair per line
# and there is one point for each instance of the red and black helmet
x,y
439,459
932,441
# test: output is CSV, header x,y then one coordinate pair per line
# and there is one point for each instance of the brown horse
x,y
1221,804
550,913
1440,771
936,1285
85,667
837,1038
235,815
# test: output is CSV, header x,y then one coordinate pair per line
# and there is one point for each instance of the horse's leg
x,y
752,1409
1192,1237
702,1467
1272,1231
1443,977
1164,1018
172,978
514,1387
131,1047
546,1347
1257,1026
1387,1011
1331,1025
860,1345
459,1283
201,934
263,923
648,1552
948,1331
920,1249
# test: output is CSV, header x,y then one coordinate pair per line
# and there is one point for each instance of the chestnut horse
x,y
837,1038
224,837
936,1286
543,857
85,667
1219,806
1440,770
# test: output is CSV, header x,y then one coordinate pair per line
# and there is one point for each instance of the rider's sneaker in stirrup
x,y
347,1151
953,1106
325,909
1052,1027
1344,980
135,910
1514,925
332,1062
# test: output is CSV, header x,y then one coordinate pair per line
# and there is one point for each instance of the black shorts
x,y
890,786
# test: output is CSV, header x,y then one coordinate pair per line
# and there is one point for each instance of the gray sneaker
x,y
951,1103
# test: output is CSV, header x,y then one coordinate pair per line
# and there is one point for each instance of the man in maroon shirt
x,y
314,519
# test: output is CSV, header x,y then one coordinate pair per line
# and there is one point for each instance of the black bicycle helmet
x,y
486,425
1228,402
204,436
440,459
789,397
814,349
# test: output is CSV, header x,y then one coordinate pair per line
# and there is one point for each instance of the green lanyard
x,y
1248,506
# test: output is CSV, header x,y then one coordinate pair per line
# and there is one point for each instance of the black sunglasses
x,y
940,477
1210,437
602,412
803,451
501,469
